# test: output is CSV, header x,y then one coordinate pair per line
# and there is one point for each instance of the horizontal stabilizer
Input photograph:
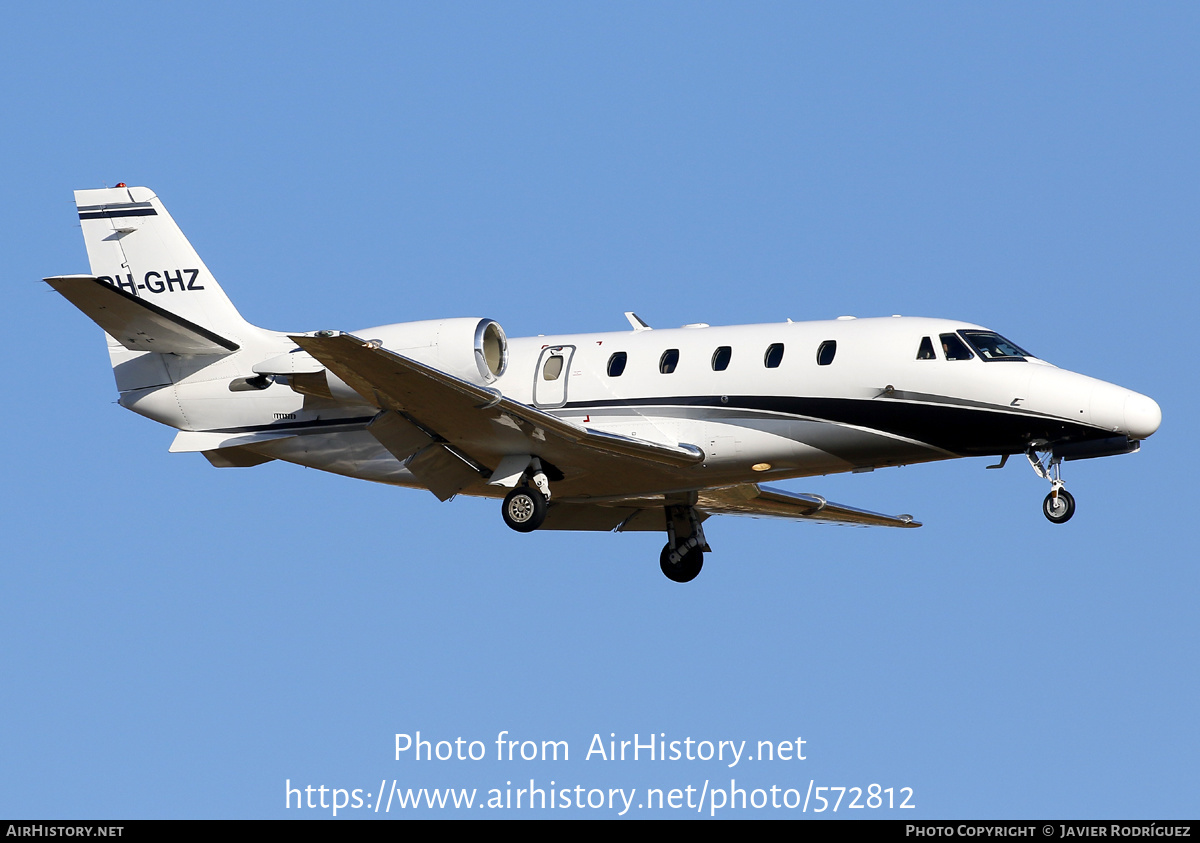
x,y
136,323
190,441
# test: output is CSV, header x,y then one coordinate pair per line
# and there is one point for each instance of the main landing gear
x,y
683,556
525,507
1059,505
688,560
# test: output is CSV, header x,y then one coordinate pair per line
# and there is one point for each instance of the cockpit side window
x,y
954,348
925,352
992,346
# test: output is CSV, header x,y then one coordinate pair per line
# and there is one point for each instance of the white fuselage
x,y
871,403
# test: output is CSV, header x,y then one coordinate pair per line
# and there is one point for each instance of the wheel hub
x,y
520,509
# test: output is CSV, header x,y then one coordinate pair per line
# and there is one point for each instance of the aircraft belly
x,y
857,447
732,440
735,438
799,448
902,428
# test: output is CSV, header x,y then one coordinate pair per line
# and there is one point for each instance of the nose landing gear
x,y
1059,505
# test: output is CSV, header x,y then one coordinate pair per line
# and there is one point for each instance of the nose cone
x,y
1142,416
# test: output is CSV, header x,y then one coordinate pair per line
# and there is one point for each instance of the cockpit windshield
x,y
992,346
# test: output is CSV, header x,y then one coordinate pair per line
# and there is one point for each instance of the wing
x,y
453,434
136,323
647,513
765,501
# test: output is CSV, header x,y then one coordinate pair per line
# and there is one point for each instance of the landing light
x,y
761,466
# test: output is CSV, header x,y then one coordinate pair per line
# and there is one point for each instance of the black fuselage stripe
x,y
958,429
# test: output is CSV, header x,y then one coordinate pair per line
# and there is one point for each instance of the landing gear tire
x,y
1060,510
524,509
686,569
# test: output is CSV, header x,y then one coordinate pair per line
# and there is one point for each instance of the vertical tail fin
x,y
134,245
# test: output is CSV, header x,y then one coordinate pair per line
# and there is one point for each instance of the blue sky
x,y
180,641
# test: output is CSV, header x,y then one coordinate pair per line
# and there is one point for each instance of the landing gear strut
x,y
683,556
525,507
1059,505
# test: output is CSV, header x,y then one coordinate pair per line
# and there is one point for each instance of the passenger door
x,y
550,378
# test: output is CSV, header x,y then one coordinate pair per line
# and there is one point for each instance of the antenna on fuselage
x,y
637,322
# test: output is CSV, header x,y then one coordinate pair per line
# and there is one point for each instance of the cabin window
x,y
954,348
774,355
992,346
616,364
669,360
553,368
720,358
825,352
925,352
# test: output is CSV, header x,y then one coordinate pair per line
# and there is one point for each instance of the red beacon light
x,y
120,184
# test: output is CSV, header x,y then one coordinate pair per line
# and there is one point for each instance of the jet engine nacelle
x,y
473,349
470,348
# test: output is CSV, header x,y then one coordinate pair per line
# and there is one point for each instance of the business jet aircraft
x,y
636,430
